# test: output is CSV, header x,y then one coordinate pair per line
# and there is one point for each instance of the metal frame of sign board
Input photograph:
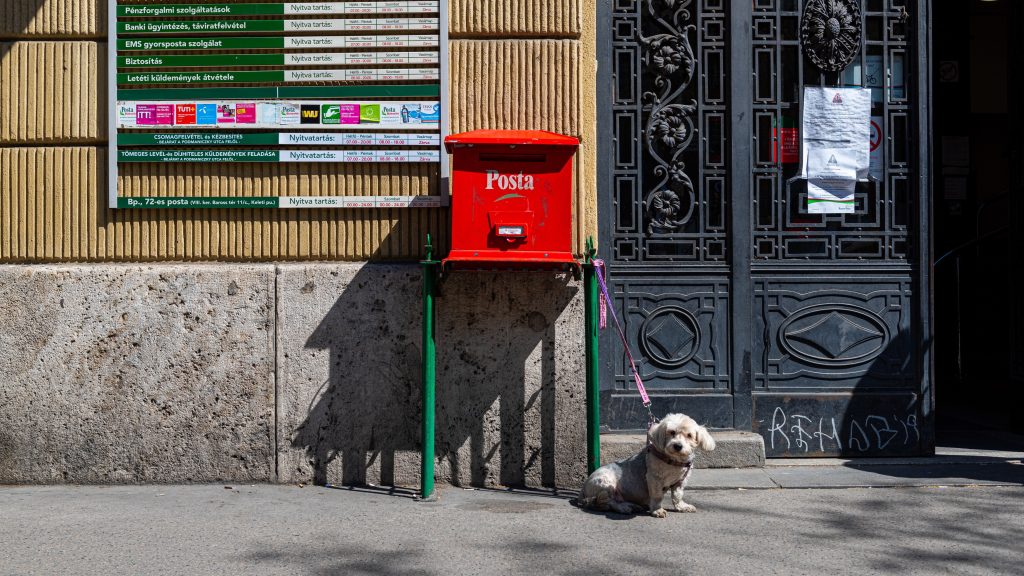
x,y
443,192
112,175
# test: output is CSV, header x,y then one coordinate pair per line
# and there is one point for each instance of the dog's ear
x,y
657,434
704,439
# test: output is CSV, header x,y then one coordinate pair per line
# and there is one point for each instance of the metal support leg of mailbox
x,y
429,360
593,385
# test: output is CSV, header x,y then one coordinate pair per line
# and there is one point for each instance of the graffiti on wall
x,y
793,432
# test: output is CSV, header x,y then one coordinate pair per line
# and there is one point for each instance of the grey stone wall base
x,y
114,374
293,373
348,373
509,377
733,449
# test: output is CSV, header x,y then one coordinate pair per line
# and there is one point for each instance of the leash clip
x,y
651,420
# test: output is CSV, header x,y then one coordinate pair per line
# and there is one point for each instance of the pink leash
x,y
600,270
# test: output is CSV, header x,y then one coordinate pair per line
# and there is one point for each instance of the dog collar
x,y
665,458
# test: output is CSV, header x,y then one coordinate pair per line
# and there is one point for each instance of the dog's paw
x,y
684,507
659,513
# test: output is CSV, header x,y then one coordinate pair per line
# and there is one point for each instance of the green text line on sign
x,y
331,25
332,156
270,42
199,77
381,7
292,59
281,202
242,77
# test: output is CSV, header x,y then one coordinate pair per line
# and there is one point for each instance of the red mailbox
x,y
511,199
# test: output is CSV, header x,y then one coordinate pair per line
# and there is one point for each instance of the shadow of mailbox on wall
x,y
496,398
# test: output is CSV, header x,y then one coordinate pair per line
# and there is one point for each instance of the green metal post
x,y
429,359
591,298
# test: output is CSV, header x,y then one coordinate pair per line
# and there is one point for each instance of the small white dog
x,y
641,481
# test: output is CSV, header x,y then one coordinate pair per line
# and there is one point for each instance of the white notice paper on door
x,y
830,189
836,146
826,196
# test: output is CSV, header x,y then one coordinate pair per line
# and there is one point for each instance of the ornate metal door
x,y
747,311
665,207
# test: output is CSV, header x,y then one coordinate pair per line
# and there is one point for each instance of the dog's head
x,y
678,435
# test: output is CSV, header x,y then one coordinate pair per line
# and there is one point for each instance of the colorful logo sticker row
x,y
379,7
274,114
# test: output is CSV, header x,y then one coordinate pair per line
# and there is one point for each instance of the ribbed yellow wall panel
x,y
586,223
359,234
53,18
51,92
515,84
53,189
547,18
53,208
526,85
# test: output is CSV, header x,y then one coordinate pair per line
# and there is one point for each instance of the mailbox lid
x,y
510,138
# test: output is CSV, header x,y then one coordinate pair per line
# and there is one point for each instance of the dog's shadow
x,y
608,514
611,515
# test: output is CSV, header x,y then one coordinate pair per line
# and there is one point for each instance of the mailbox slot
x,y
512,158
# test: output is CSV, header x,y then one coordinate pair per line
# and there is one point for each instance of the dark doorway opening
x,y
977,205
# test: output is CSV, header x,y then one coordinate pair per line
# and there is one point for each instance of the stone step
x,y
734,449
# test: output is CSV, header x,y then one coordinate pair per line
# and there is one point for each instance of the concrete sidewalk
x,y
937,471
1000,464
960,512
288,530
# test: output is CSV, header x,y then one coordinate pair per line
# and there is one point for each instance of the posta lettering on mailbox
x,y
513,182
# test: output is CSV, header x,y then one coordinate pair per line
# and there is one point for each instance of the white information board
x,y
235,81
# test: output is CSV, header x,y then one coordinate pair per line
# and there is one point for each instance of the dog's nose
x,y
676,446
